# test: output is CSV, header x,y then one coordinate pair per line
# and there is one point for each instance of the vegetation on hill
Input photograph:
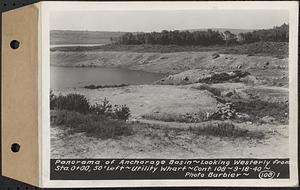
x,y
204,38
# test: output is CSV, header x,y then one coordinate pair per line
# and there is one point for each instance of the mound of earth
x,y
255,103
239,90
202,76
154,100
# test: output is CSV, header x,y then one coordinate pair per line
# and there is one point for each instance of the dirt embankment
x,y
166,62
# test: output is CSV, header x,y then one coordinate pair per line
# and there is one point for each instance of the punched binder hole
x,y
15,147
14,44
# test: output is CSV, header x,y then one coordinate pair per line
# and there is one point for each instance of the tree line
x,y
209,37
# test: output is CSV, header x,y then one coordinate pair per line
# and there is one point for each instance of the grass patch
x,y
257,109
180,118
242,110
167,117
92,124
277,49
224,129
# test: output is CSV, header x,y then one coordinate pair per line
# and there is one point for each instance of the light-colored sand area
x,y
172,143
147,99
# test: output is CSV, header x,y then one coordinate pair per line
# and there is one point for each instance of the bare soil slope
x,y
167,62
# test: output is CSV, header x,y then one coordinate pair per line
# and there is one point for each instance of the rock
x,y
268,119
228,93
170,77
215,55
186,78
243,116
156,111
232,74
250,80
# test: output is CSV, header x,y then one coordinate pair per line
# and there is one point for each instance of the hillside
x,y
165,63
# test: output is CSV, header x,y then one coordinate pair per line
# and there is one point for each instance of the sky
x,y
148,21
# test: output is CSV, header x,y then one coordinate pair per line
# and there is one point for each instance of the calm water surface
x,y
68,77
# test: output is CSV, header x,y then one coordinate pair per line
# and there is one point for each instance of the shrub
x,y
92,124
224,112
122,112
223,77
104,109
78,103
107,110
65,117
71,102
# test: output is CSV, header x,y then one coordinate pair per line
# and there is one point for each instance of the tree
x,y
230,38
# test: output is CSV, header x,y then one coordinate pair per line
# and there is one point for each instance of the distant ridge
x,y
58,37
81,37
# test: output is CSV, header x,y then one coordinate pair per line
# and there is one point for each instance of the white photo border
x,y
45,8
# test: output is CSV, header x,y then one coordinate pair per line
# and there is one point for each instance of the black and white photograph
x,y
131,94
169,84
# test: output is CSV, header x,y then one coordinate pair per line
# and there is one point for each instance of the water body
x,y
69,77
